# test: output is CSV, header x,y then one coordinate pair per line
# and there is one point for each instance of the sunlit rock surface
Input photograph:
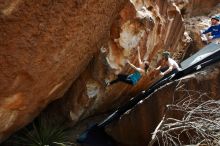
x,y
196,7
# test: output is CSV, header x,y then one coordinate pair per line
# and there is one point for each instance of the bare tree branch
x,y
199,125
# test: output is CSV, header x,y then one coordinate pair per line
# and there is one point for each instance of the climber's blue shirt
x,y
135,77
215,31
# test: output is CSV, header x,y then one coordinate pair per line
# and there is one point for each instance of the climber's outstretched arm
x,y
139,56
134,67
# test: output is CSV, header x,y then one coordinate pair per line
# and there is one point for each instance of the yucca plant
x,y
42,132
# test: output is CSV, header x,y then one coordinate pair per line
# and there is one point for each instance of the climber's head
x,y
146,65
215,20
166,55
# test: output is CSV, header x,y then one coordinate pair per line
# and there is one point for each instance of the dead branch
x,y
199,125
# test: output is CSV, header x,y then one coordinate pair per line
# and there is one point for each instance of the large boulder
x,y
44,46
54,49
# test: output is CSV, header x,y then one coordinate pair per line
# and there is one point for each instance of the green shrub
x,y
42,132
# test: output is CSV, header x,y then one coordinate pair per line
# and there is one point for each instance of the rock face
x,y
44,46
135,128
68,49
155,27
196,7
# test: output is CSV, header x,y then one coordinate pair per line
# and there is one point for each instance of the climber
x,y
213,31
133,78
169,66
